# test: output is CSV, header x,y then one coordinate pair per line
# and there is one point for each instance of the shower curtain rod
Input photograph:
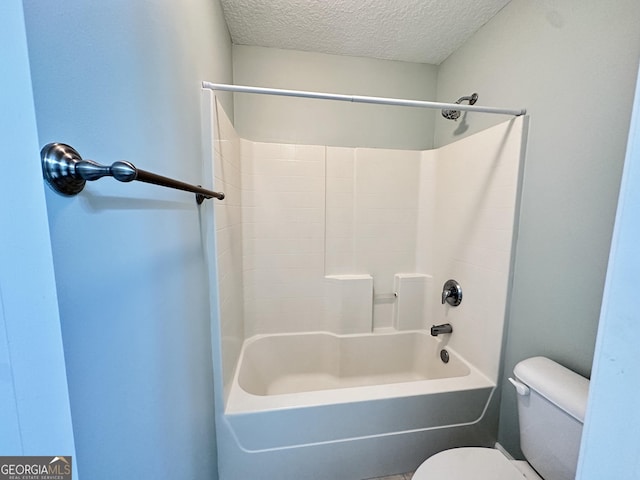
x,y
223,87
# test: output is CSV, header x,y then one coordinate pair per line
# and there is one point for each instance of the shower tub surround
x,y
328,263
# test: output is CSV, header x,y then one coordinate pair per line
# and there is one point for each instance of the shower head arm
x,y
472,99
455,114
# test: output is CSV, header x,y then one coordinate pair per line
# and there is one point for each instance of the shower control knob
x,y
452,293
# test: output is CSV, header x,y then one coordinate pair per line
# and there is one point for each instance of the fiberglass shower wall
x,y
469,234
312,211
315,238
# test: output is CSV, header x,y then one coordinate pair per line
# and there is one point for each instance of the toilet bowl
x,y
552,402
474,463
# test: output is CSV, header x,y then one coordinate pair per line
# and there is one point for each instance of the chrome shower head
x,y
455,114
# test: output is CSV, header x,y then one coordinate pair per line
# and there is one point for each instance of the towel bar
x,y
67,173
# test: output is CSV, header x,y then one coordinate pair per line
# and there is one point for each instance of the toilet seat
x,y
469,463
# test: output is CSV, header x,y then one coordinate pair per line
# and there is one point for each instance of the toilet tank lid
x,y
564,388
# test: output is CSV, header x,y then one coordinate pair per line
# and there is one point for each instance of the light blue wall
x,y
612,428
34,404
120,79
573,65
266,118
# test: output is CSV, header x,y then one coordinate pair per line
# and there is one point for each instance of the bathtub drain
x,y
444,356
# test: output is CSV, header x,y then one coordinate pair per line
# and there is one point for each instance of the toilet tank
x,y
551,414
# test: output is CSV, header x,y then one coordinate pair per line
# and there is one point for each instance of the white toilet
x,y
551,405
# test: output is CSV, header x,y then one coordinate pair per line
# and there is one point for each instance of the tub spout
x,y
440,329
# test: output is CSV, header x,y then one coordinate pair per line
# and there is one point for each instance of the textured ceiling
x,y
424,31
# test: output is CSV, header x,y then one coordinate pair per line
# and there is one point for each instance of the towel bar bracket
x,y
67,173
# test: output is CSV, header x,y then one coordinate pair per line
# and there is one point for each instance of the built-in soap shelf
x,y
349,302
385,297
411,309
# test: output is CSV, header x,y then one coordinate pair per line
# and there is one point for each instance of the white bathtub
x,y
283,364
297,398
